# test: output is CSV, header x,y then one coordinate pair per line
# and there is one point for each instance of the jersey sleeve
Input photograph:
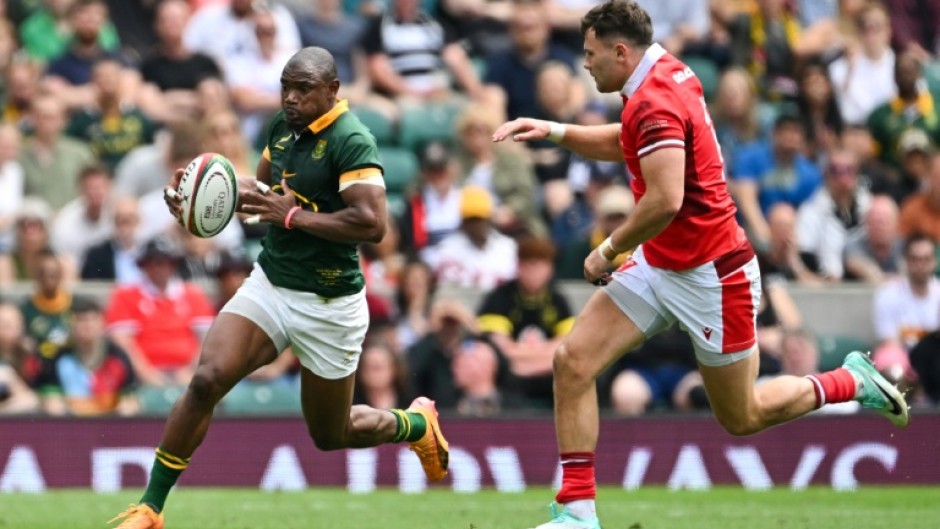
x,y
129,383
656,124
120,315
372,37
201,311
747,164
492,314
358,161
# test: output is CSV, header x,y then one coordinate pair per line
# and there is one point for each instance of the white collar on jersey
x,y
653,54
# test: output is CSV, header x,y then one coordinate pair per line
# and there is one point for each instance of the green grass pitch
x,y
649,508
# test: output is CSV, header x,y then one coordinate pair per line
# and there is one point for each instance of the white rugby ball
x,y
209,191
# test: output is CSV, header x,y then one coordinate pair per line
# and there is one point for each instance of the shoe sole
x,y
900,418
430,415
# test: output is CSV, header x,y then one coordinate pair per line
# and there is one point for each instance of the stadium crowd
x,y
825,111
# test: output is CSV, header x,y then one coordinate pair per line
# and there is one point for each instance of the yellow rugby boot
x,y
432,447
140,516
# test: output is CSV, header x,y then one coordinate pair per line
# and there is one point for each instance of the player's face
x,y
603,61
305,96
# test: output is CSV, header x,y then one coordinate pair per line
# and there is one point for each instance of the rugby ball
x,y
209,192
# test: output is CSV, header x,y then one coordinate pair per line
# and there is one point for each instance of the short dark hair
x,y
788,118
83,304
317,61
536,249
82,4
619,18
94,169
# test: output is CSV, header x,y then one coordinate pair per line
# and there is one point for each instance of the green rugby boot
x,y
876,392
562,519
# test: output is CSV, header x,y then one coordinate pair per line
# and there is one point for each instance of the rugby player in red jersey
x,y
692,263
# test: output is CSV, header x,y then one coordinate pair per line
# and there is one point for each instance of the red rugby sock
x,y
833,386
577,478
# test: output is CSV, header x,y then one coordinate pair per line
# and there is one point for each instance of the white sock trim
x,y
819,388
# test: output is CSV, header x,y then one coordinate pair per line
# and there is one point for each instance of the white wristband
x,y
607,245
556,132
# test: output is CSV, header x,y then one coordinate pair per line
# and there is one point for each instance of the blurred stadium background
x,y
826,113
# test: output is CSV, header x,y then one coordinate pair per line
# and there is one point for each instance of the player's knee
x,y
740,426
205,387
327,442
570,369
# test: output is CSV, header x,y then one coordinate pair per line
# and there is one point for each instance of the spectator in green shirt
x,y
112,128
46,33
914,107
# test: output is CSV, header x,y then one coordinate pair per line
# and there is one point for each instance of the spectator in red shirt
x,y
161,320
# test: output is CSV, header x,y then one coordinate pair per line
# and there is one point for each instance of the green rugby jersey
x,y
334,149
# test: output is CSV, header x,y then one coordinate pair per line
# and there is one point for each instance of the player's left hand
x,y
596,268
523,129
268,207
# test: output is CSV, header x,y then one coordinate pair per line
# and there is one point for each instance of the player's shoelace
x,y
131,509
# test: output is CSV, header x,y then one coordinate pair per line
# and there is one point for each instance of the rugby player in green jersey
x,y
326,195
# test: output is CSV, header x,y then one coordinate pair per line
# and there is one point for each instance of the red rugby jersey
x,y
664,108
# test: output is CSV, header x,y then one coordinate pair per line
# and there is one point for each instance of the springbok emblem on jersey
x,y
319,150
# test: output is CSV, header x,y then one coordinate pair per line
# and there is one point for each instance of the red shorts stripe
x,y
737,313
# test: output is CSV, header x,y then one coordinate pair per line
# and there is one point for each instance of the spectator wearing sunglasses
x,y
834,212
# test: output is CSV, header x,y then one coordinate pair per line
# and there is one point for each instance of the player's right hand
x,y
172,198
597,268
523,129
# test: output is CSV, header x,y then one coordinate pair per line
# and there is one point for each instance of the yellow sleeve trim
x,y
266,154
495,323
359,174
563,327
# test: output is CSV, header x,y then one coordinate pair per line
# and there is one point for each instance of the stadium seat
x,y
833,348
158,401
423,124
380,125
707,74
401,169
262,398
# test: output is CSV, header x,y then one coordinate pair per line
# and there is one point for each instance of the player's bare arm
x,y
599,142
362,220
664,173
